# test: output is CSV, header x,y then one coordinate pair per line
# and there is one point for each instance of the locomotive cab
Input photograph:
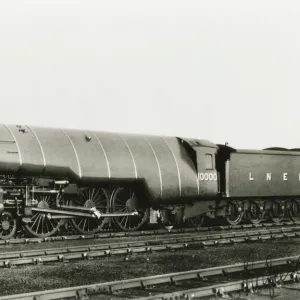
x,y
204,154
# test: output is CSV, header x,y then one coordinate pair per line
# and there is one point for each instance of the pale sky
x,y
226,71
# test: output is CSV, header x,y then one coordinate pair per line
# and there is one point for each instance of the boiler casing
x,y
162,164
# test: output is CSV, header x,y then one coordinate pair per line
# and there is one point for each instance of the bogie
x,y
8,225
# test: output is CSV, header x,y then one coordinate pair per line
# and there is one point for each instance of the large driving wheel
x,y
8,225
91,197
124,200
233,214
40,225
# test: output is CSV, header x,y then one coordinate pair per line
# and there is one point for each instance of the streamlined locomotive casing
x,y
266,173
169,167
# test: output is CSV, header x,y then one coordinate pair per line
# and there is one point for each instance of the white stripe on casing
x,y
133,160
75,152
159,170
17,145
178,171
103,150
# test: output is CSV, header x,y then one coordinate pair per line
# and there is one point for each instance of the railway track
x,y
220,290
108,235
249,275
8,259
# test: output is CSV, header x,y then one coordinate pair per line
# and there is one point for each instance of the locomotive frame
x,y
42,209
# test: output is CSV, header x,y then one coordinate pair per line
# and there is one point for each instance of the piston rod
x,y
93,212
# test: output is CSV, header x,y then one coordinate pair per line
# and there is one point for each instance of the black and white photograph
x,y
149,149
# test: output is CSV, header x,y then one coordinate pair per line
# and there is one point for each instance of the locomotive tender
x,y
97,179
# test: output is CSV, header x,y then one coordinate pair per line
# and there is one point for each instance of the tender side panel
x,y
118,155
167,165
10,156
30,151
146,164
91,156
249,174
185,168
60,156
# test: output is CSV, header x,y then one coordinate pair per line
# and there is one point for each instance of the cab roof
x,y
198,143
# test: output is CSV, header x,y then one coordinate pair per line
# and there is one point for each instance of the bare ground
x,y
51,276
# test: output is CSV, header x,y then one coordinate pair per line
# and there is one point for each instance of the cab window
x,y
209,162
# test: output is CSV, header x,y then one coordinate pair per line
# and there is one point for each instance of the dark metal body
x,y
167,167
182,178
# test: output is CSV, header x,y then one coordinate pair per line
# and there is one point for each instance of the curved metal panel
x,y
145,162
17,145
59,153
120,160
32,160
188,173
90,156
133,160
75,152
164,165
170,187
199,143
40,145
158,165
9,151
177,167
105,155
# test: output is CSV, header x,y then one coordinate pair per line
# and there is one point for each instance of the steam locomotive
x,y
93,180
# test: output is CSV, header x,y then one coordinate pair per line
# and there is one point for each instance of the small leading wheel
x,y
8,225
91,197
233,214
40,225
255,214
276,211
124,200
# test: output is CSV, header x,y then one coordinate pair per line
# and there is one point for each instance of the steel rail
x,y
8,259
221,289
173,278
143,233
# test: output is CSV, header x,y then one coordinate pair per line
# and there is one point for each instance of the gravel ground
x,y
51,276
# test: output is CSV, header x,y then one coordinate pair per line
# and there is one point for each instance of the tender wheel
x,y
276,211
255,215
125,201
233,214
294,210
40,225
8,225
91,197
